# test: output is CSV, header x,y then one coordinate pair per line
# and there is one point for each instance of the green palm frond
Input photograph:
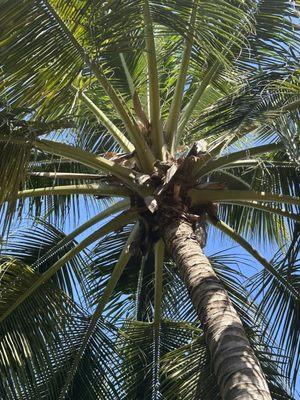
x,y
61,209
261,173
92,325
253,224
14,158
103,258
16,136
134,292
139,374
36,356
43,62
186,373
245,109
282,305
30,245
46,171
115,223
265,173
103,31
288,130
274,25
184,367
56,206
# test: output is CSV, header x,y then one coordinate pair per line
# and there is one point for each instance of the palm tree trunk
x,y
238,371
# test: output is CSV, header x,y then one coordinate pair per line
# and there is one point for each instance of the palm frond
x,y
254,224
47,71
47,171
288,131
270,173
280,303
83,81
134,292
274,37
137,348
40,339
32,244
257,101
113,224
16,141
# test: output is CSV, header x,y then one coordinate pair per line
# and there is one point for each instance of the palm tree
x,y
169,118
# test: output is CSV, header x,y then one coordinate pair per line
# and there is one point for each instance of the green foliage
x,y
41,338
235,67
34,247
282,304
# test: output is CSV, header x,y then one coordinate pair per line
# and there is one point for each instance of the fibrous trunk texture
x,y
237,370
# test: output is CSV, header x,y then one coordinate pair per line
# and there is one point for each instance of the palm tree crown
x,y
148,126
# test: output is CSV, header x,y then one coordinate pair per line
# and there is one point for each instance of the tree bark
x,y
237,370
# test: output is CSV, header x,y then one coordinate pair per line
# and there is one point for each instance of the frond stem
x,y
86,158
188,110
174,112
159,252
66,175
154,96
91,189
213,164
128,75
206,196
125,144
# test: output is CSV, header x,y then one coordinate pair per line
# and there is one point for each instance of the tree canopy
x,y
112,113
